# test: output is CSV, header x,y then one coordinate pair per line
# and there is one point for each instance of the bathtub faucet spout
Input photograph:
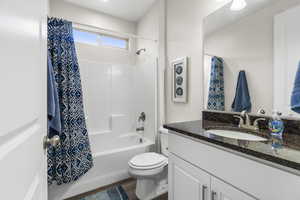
x,y
140,129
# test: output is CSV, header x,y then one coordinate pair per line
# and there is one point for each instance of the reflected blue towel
x,y
54,122
216,95
242,100
295,99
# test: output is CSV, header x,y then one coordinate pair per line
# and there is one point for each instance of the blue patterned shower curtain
x,y
216,96
72,158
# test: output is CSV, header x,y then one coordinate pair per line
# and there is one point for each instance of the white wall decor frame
x,y
180,80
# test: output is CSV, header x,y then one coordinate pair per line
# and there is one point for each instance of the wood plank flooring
x,y
128,185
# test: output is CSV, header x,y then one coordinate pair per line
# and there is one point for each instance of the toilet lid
x,y
148,160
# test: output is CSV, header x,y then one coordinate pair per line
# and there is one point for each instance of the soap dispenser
x,y
276,125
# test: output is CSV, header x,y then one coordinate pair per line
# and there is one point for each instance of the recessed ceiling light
x,y
238,5
105,0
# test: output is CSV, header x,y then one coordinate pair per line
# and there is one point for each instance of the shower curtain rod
x,y
77,25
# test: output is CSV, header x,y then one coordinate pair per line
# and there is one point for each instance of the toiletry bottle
x,y
276,125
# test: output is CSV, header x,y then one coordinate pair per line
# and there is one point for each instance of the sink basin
x,y
236,135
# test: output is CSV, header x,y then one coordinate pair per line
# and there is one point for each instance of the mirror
x,y
251,58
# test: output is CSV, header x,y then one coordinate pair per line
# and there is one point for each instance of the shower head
x,y
138,52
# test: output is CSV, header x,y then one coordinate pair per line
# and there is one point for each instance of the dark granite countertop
x,y
287,155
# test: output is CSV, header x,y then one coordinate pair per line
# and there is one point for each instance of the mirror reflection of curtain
x,y
216,96
295,97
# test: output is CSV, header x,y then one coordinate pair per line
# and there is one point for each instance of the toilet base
x,y
150,188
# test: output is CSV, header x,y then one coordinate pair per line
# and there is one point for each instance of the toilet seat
x,y
147,161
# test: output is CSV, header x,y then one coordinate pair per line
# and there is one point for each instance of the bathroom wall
x,y
146,69
185,38
248,45
60,8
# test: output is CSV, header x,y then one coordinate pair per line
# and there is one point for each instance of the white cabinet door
x,y
223,191
23,103
187,181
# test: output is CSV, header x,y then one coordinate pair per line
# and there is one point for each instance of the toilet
x,y
151,170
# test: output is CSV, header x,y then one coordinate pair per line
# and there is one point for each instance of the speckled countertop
x,y
288,155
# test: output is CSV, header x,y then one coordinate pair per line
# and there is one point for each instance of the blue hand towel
x,y
295,99
54,122
242,100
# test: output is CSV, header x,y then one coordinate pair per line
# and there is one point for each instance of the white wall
x,y
148,27
206,78
184,38
146,69
62,9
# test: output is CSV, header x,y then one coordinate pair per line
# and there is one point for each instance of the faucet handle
x,y
241,120
255,123
261,111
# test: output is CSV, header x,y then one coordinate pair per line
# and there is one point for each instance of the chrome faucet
x,y
246,124
142,117
246,115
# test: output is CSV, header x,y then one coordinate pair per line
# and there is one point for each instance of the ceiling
x,y
224,16
131,10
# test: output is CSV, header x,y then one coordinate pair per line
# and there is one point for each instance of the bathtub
x,y
111,155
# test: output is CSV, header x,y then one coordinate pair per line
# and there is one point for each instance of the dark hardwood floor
x,y
128,185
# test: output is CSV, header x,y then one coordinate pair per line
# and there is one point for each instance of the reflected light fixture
x,y
238,5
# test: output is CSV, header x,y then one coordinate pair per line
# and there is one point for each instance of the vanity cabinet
x,y
189,182
199,170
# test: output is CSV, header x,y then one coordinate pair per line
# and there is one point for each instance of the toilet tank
x,y
164,141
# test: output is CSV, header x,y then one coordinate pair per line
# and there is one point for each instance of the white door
x,y
187,181
223,191
23,105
